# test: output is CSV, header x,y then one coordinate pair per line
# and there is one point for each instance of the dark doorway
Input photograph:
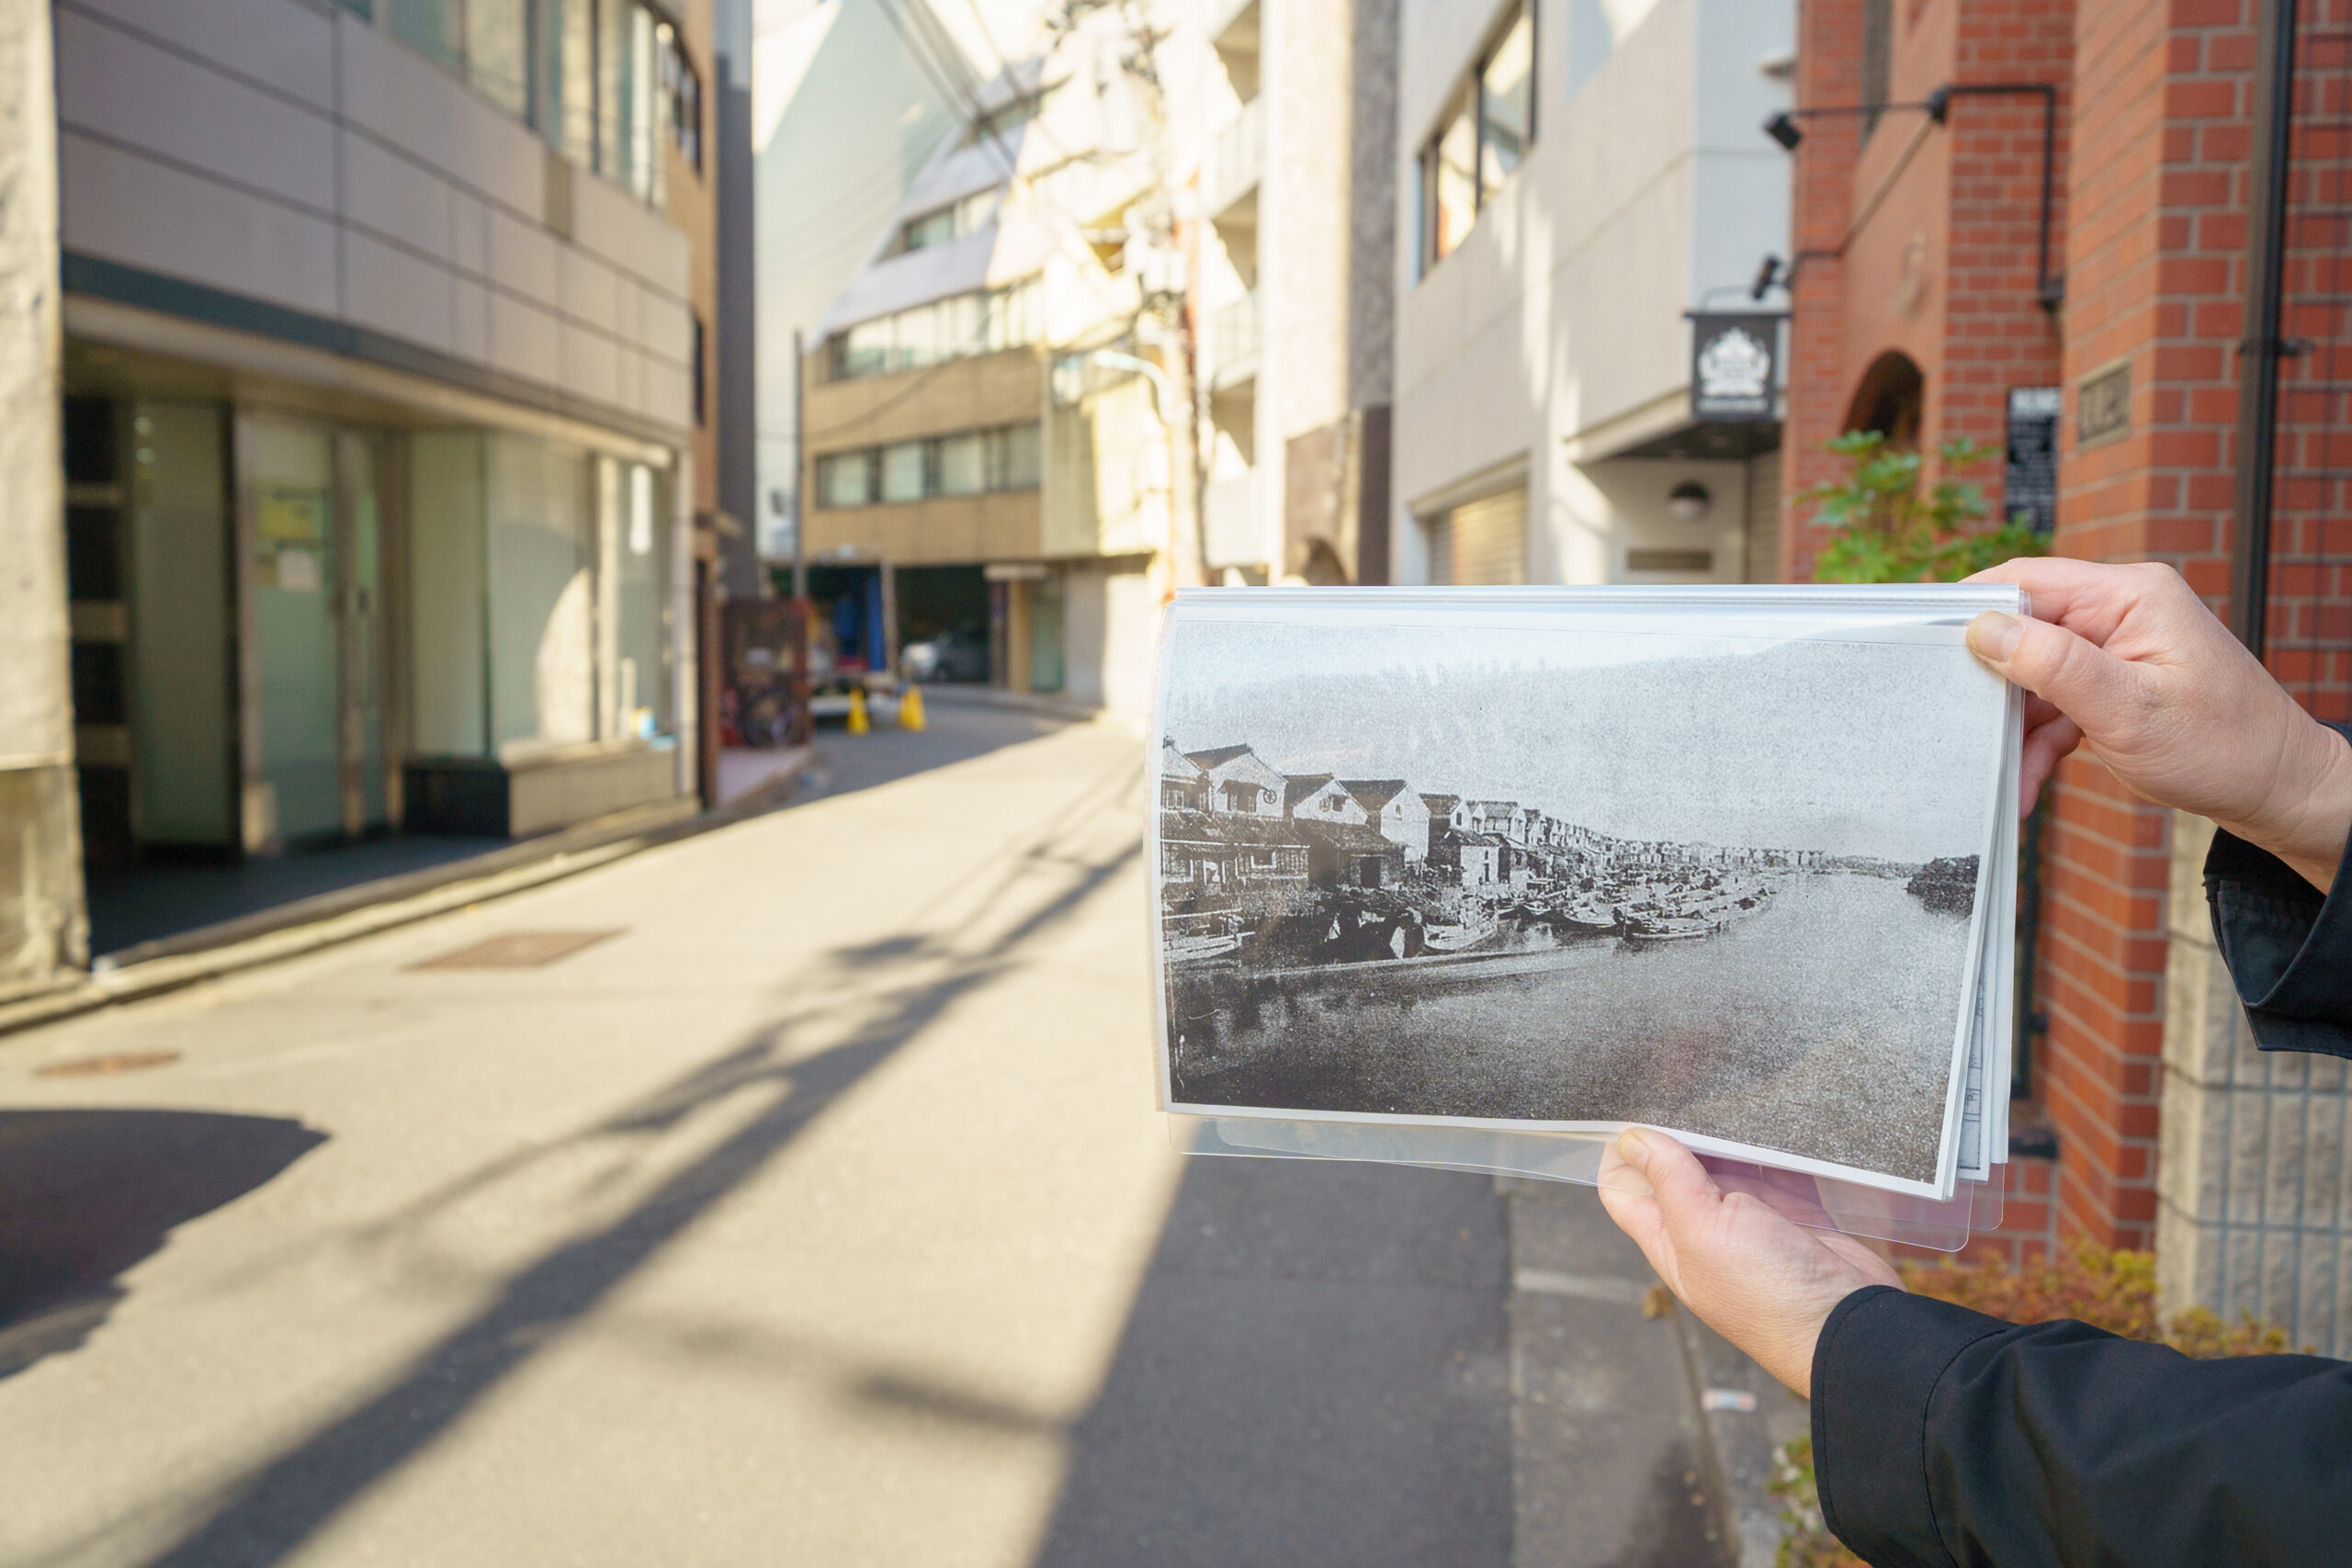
x,y
947,608
847,627
1890,400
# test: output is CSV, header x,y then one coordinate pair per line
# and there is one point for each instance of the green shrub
x,y
1883,530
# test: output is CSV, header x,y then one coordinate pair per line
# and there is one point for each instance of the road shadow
x,y
1316,1371
87,1194
267,1515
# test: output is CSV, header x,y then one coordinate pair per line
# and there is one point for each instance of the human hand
x,y
1762,1281
2126,662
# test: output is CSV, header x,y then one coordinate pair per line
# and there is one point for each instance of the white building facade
x,y
1572,176
380,376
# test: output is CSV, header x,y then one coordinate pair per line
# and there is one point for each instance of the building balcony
x,y
1234,342
1233,32
1236,164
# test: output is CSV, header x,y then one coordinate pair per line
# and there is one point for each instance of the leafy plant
x,y
1883,530
2107,1288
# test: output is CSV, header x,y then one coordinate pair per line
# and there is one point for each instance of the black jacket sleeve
x,y
1944,1438
2289,949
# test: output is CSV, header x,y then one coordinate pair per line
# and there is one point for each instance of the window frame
x,y
1012,460
1468,98
671,99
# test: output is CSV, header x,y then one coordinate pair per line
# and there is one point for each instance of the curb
x,y
1744,1416
962,695
347,914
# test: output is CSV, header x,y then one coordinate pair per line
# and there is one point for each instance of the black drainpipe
x,y
2259,355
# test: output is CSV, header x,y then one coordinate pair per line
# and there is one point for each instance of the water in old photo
x,y
1803,1027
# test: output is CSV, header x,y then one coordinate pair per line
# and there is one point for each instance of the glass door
x,y
359,602
295,656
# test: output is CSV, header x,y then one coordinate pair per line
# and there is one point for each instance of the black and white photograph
x,y
1578,875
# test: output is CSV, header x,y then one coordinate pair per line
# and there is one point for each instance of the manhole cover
x,y
103,1067
518,950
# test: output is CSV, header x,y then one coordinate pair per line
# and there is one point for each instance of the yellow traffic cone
x,y
910,707
857,724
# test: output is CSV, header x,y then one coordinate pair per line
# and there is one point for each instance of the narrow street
x,y
808,1205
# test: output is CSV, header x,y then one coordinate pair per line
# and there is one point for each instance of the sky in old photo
x,y
1851,746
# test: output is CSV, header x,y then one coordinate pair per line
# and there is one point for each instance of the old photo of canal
x,y
1575,878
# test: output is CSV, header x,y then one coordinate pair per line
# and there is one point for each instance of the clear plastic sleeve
x,y
1939,1214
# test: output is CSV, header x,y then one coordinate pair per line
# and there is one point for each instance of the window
x,y
1485,134
1507,105
1878,58
682,90
625,71
846,479
701,372
498,53
964,465
968,463
1013,458
428,27
604,82
902,471
567,78
982,322
952,221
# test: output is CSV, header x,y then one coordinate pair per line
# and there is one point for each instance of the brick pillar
x,y
1830,71
2154,285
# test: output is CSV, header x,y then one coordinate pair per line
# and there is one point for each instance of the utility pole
x,y
803,472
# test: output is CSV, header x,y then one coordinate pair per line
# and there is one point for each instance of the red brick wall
x,y
1829,56
2309,644
1926,250
2150,232
2155,279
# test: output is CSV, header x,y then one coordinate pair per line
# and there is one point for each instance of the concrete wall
x,y
2252,1184
43,931
1554,335
290,153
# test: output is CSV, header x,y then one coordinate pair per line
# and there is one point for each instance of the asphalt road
x,y
799,1199
818,1214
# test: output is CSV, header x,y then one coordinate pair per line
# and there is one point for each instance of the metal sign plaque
x,y
2029,475
1734,361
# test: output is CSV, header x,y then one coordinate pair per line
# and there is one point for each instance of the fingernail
x,y
1994,635
1632,1150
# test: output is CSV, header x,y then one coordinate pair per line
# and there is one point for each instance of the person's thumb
x,y
2083,682
1674,1173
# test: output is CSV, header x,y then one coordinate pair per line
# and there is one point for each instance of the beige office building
x,y
988,453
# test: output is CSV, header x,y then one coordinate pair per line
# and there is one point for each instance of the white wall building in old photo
x,y
1541,414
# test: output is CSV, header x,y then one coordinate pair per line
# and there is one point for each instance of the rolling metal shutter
x,y
1481,541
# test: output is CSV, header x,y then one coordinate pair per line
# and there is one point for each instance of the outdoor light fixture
x,y
2049,288
1688,502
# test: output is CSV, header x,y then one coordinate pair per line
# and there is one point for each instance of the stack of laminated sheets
x,y
1479,878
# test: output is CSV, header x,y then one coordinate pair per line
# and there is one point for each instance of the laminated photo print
x,y
1567,861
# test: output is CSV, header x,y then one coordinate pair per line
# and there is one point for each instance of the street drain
x,y
106,1067
518,950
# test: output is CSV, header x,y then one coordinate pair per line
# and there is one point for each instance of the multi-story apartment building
x,y
988,453
387,399
1571,178
1294,103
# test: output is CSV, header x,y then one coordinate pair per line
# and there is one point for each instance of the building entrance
x,y
315,561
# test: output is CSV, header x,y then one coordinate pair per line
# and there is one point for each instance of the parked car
x,y
958,655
